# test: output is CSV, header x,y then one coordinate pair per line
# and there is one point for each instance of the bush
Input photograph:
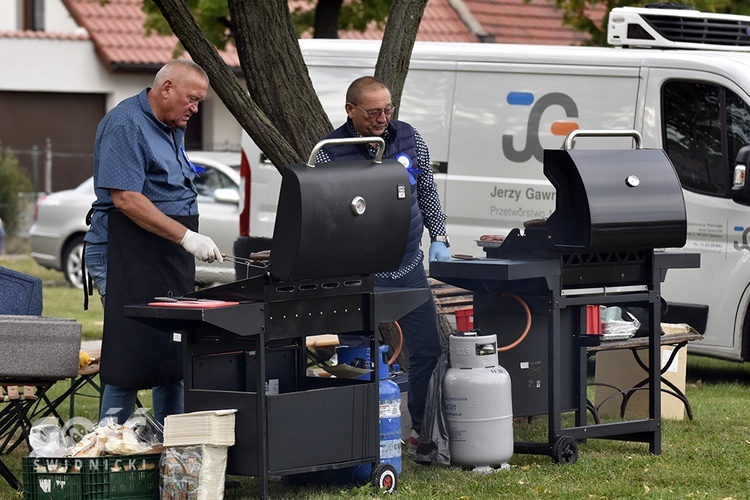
x,y
13,180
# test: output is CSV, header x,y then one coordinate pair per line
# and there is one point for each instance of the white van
x,y
487,112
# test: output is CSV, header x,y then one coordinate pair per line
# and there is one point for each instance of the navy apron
x,y
141,266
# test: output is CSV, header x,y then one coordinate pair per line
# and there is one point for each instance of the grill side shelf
x,y
243,319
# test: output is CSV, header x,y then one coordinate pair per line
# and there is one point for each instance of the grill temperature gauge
x,y
358,205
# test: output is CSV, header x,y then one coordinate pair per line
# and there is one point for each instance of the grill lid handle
x,y
570,138
349,140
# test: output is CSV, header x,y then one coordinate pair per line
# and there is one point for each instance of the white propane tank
x,y
477,404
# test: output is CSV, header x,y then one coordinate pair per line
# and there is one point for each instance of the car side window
x,y
210,180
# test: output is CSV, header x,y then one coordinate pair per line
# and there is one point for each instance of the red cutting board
x,y
195,304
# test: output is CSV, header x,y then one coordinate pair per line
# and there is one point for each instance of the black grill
x,y
612,209
336,225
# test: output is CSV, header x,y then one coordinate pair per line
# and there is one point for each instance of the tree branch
x,y
398,42
235,98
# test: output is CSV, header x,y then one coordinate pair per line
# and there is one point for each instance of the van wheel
x,y
746,337
72,262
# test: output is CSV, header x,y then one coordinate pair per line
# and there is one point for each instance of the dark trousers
x,y
422,338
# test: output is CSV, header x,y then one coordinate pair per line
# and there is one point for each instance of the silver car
x,y
56,235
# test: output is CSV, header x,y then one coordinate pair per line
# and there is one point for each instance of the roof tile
x,y
116,28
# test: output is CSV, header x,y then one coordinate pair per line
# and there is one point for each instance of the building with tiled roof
x,y
530,22
66,62
116,28
120,41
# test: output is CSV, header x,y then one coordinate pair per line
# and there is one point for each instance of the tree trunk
x,y
398,42
282,112
285,121
276,74
327,18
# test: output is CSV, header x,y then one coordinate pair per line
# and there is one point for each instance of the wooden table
x,y
634,344
24,400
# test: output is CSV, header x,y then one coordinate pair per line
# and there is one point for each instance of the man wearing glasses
x,y
369,110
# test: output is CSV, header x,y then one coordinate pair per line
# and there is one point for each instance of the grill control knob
x,y
358,205
632,181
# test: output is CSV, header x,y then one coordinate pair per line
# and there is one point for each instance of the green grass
x,y
708,457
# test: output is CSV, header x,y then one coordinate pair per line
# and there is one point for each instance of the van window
x,y
738,116
705,125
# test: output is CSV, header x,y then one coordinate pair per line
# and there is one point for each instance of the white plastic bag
x,y
47,439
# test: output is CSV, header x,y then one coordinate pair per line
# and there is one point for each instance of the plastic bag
x,y
433,444
141,433
148,430
47,439
192,472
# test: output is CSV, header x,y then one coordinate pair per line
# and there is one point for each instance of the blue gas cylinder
x,y
390,422
389,395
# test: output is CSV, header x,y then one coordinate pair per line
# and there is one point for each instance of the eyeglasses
x,y
372,115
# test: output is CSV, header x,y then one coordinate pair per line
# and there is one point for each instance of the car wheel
x,y
72,261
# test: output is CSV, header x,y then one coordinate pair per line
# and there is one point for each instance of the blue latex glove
x,y
438,251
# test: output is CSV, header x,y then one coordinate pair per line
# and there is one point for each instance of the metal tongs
x,y
248,263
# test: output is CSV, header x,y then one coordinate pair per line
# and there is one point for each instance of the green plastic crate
x,y
40,482
132,477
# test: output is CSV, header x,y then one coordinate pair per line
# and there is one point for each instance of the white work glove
x,y
438,251
201,246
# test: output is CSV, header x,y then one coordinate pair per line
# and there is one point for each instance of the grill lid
x,y
341,218
614,199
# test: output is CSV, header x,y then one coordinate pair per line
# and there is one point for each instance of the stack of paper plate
x,y
214,427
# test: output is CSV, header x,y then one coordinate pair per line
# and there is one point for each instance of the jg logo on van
x,y
744,245
533,145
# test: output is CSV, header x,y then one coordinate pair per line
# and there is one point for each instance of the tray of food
x,y
490,240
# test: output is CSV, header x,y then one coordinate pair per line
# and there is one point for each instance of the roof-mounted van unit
x,y
677,27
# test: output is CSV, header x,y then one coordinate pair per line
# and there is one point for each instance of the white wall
x,y
34,65
57,18
58,65
220,129
8,15
43,65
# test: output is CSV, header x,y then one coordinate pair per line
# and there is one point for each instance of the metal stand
x,y
252,357
559,312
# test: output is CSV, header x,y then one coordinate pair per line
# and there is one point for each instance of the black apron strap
x,y
88,285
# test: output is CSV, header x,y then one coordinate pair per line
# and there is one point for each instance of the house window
x,y
33,15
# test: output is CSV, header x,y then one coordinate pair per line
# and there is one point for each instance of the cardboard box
x,y
619,368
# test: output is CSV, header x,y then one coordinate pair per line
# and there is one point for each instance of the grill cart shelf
x,y
548,369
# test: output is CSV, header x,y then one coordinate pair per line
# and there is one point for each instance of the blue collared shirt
x,y
134,151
